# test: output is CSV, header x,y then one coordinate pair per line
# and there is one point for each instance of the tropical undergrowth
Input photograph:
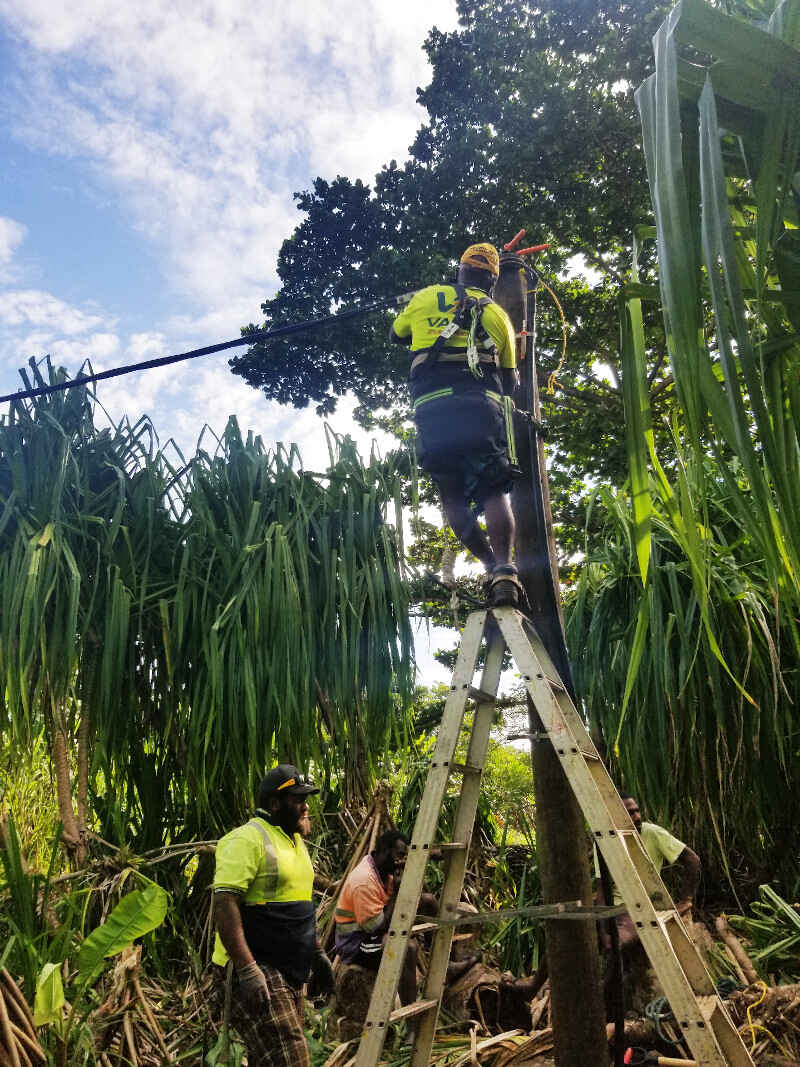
x,y
169,627
713,753
683,626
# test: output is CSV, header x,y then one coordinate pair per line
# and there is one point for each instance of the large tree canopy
x,y
532,123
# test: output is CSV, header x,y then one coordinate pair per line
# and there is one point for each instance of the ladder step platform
x,y
700,1014
465,768
480,697
419,1007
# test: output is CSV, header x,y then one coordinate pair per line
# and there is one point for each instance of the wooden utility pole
x,y
578,1013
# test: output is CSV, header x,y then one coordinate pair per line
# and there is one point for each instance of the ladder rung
x,y
419,1007
535,737
424,928
479,696
464,768
450,846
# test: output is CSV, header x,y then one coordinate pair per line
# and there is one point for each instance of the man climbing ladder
x,y
463,373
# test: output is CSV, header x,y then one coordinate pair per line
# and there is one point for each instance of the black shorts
x,y
462,445
369,952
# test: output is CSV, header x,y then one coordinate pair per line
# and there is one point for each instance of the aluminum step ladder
x,y
699,1013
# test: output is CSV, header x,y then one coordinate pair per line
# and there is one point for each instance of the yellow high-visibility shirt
x,y
660,846
262,865
431,309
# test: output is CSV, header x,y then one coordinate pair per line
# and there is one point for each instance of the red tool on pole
x,y
510,247
639,1056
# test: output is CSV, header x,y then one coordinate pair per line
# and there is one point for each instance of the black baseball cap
x,y
286,779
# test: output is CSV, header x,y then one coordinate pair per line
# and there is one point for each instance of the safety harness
x,y
467,316
480,346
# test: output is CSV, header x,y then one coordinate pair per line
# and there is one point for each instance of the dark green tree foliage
x,y
531,123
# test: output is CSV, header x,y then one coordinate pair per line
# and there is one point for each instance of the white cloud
x,y
12,234
34,307
205,117
200,119
95,347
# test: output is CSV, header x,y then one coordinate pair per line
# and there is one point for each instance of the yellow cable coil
x,y
552,380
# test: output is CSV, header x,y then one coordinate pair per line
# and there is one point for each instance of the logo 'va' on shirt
x,y
431,309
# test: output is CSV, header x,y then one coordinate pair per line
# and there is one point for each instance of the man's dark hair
x,y
628,796
473,277
389,839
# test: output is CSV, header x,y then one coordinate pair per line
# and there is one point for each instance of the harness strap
x,y
448,355
476,335
508,412
439,394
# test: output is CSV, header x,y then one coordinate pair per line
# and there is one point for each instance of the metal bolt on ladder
x,y
704,1021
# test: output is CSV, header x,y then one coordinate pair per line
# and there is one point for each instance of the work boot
x,y
505,588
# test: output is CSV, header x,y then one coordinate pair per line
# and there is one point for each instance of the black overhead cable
x,y
163,361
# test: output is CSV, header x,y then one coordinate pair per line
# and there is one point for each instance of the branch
x,y
597,260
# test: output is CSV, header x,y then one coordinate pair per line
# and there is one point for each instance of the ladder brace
x,y
572,909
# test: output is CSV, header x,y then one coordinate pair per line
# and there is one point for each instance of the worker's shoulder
x,y
245,834
433,293
658,833
492,307
361,873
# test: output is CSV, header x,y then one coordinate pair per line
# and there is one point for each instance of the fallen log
x,y
736,948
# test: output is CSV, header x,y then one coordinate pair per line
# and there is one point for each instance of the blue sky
x,y
150,153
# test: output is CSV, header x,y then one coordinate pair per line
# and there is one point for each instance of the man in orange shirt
x,y
364,910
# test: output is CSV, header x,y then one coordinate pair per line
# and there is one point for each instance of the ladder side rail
x,y
581,739
577,727
599,800
680,970
403,916
457,861
592,784
691,1007
683,978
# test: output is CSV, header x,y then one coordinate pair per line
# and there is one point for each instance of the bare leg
x,y
500,527
428,905
408,977
466,529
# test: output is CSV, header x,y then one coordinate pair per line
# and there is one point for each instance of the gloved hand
x,y
253,986
322,974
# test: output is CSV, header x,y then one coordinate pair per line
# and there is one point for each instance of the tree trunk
x,y
83,771
70,833
577,1003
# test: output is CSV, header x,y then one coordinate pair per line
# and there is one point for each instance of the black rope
x,y
163,361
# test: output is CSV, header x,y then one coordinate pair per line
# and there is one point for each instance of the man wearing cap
x,y
463,366
266,925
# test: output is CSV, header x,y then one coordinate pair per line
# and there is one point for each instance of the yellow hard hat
x,y
482,257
